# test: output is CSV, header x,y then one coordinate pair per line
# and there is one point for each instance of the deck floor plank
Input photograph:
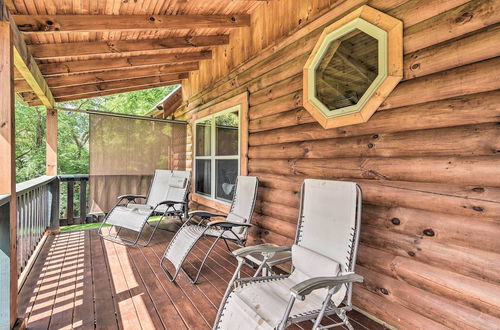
x,y
123,298
27,297
64,302
106,313
164,304
44,303
82,281
141,300
84,313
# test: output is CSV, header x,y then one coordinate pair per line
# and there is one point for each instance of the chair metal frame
x,y
302,289
221,226
132,199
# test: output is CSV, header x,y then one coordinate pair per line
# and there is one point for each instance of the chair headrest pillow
x,y
177,182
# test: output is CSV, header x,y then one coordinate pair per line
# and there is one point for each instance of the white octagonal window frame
x,y
388,32
371,30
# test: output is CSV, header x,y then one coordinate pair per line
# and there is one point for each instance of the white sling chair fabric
x,y
166,185
241,211
323,247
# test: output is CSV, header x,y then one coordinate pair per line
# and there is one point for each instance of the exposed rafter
x,y
108,92
361,68
54,23
123,62
124,46
118,84
103,76
173,102
21,86
26,65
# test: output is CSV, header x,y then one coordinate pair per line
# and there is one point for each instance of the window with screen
x,y
217,154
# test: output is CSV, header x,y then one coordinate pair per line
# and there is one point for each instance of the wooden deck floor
x,y
82,281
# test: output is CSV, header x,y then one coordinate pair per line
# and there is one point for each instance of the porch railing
x,y
72,215
46,203
37,202
39,209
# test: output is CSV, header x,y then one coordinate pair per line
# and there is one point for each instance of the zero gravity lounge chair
x,y
233,228
167,196
323,259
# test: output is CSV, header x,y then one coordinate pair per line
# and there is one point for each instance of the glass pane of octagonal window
x,y
347,69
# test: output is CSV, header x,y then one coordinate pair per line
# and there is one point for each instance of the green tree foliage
x,y
30,142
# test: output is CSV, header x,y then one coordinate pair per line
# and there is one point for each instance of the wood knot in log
x,y
396,221
464,17
429,232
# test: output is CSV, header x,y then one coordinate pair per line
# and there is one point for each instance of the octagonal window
x,y
347,69
355,64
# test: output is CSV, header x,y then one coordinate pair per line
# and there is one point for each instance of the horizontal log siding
x,y
427,161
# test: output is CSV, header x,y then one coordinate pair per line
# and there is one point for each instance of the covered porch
x,y
406,104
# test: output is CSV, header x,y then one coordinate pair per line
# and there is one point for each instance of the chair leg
x,y
152,233
326,302
195,279
342,314
167,273
117,232
227,245
124,241
284,320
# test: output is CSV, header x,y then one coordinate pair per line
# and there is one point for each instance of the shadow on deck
x,y
82,281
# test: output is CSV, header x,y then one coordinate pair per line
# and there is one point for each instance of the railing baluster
x,y
32,216
69,204
28,226
83,201
53,205
20,216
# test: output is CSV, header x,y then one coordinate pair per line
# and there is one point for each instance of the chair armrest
x,y
205,215
306,287
130,197
262,248
228,224
169,203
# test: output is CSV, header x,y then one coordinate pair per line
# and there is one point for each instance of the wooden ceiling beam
x,y
107,92
118,84
21,86
122,62
10,5
172,103
358,66
124,46
104,76
26,65
55,23
17,74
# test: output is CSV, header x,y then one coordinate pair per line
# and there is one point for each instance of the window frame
x,y
213,150
204,112
390,49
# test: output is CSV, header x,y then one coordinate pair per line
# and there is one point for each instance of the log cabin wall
x,y
427,161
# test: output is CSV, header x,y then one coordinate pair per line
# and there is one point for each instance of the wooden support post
x,y
54,207
69,203
83,201
51,141
8,249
